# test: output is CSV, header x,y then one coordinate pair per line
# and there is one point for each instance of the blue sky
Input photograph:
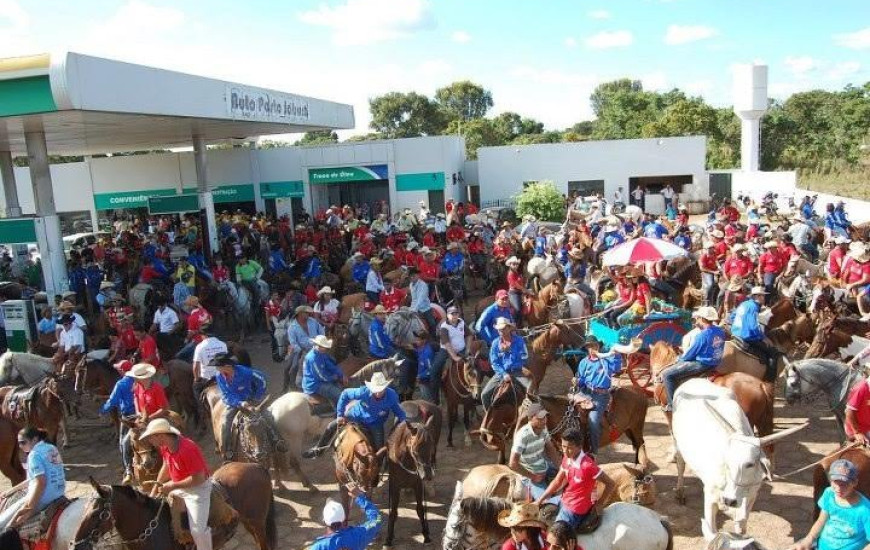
x,y
541,58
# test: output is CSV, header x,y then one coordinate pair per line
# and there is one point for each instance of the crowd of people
x,y
739,262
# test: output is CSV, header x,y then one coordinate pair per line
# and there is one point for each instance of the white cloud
x,y
858,40
570,42
12,12
358,22
800,66
599,14
461,37
683,34
657,81
844,69
702,87
610,39
434,68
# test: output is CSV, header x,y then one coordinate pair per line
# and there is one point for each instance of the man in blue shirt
x,y
750,334
339,536
594,379
315,267
420,302
453,260
380,344
612,236
807,210
277,264
703,356
320,375
655,230
121,399
508,357
485,326
360,268
300,331
240,388
372,405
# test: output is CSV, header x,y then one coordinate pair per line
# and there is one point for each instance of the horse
x,y
10,459
180,392
754,396
735,359
460,385
544,348
542,271
142,299
810,379
781,311
539,310
472,523
236,304
251,438
65,529
403,325
130,512
356,462
24,368
43,346
411,462
40,405
828,339
421,411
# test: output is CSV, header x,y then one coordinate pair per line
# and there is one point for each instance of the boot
x,y
323,443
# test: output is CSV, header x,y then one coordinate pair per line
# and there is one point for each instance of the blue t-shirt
x,y
46,326
44,460
848,527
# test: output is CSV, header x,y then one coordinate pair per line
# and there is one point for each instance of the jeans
x,y
329,391
537,489
375,433
373,297
198,502
407,371
431,390
431,323
569,517
293,370
769,281
126,447
665,288
810,250
516,299
227,430
613,314
493,383
186,352
596,416
254,288
678,373
709,288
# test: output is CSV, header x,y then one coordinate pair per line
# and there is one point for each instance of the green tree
x,y
464,100
685,117
623,109
543,201
401,115
606,91
478,133
511,125
318,137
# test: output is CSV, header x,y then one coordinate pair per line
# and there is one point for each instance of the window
x,y
586,187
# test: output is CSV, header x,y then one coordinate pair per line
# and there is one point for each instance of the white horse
x,y
242,304
24,368
139,297
543,270
68,523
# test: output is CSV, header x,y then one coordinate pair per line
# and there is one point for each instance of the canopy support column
x,y
206,202
51,245
7,174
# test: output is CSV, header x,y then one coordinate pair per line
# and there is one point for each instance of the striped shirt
x,y
530,447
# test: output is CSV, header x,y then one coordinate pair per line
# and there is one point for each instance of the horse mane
x,y
387,366
398,442
661,354
482,512
137,496
42,364
544,343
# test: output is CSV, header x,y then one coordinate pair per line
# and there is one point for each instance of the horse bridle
x,y
464,390
418,463
824,389
107,518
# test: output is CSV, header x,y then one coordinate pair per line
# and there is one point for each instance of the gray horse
x,y
809,379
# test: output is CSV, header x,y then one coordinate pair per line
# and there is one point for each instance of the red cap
x,y
124,365
501,294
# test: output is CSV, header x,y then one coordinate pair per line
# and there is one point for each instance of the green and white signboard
x,y
347,174
281,189
176,204
128,199
239,192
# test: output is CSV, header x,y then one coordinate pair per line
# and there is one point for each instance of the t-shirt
x,y
530,447
581,473
150,400
74,337
205,352
859,401
44,460
848,527
166,319
186,461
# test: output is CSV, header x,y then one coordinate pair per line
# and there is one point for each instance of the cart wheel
x,y
639,372
662,331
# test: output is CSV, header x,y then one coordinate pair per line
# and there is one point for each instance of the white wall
x,y
135,173
502,170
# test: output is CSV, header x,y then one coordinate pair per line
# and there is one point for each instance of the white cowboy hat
x,y
503,322
856,246
379,309
841,239
718,234
610,228
756,290
142,371
706,312
412,245
159,426
325,290
707,244
378,383
771,244
627,349
322,341
513,260
737,248
358,255
452,245
425,250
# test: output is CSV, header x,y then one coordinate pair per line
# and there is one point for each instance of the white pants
x,y
198,502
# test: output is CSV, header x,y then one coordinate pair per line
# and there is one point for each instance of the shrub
x,y
543,201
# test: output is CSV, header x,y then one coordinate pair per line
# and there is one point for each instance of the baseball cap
x,y
536,410
333,512
843,470
501,294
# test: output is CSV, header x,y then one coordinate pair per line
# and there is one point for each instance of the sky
x,y
540,58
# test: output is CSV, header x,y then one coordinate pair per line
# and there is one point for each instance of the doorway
x,y
436,202
373,194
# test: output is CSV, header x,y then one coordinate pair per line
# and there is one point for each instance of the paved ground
x,y
782,512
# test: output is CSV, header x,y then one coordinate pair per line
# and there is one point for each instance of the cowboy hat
x,y
576,253
325,290
452,246
771,244
378,383
757,290
379,309
377,261
611,227
159,426
627,349
857,246
412,245
842,239
718,234
142,371
860,256
682,207
707,244
738,248
302,309
736,284
322,341
66,305
107,284
426,250
706,312
522,515
503,322
513,260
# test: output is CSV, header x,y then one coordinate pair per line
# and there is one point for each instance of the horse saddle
x,y
351,441
320,407
222,518
38,532
19,403
740,345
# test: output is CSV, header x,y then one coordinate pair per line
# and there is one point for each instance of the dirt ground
x,y
782,513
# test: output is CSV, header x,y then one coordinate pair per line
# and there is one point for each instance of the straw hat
x,y
627,349
522,515
106,284
757,290
379,309
142,371
325,290
159,426
771,244
451,246
718,234
503,322
302,309
322,341
860,255
66,306
513,260
736,284
707,244
378,383
376,261
706,312
842,239
738,248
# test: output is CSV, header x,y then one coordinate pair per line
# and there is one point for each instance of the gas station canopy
x,y
88,105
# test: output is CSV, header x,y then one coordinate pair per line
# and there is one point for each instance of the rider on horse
x,y
750,333
320,375
508,356
70,343
240,387
369,407
198,315
300,331
485,325
703,356
122,399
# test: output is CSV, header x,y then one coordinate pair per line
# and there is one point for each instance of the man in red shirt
x,y
577,480
147,351
391,297
412,256
837,257
738,264
429,266
720,247
770,265
195,319
730,212
127,335
709,270
148,394
858,413
856,275
184,474
220,272
455,233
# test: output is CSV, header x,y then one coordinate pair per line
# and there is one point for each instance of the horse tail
x,y
271,533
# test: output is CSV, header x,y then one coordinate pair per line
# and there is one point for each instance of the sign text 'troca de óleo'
x,y
256,104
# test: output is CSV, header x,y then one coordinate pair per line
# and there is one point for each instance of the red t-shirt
x,y
393,300
835,262
515,280
429,240
128,339
708,261
412,259
737,266
455,233
476,247
859,401
626,293
428,271
150,400
501,251
854,271
220,273
770,262
148,352
721,249
581,474
186,461
641,293
510,544
196,318
272,308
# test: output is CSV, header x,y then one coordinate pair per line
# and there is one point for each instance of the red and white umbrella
x,y
642,250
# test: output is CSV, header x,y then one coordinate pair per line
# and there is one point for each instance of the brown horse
x,y
130,512
350,303
460,384
411,462
10,461
754,396
147,459
781,311
538,311
180,392
356,462
544,348
828,339
40,406
859,456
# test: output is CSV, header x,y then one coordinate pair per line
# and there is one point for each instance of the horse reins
x,y
106,516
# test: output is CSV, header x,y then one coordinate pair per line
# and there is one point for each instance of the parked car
x,y
78,241
501,214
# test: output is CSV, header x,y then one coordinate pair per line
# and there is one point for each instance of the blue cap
x,y
843,470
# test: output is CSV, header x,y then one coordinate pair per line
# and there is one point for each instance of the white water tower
x,y
750,104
